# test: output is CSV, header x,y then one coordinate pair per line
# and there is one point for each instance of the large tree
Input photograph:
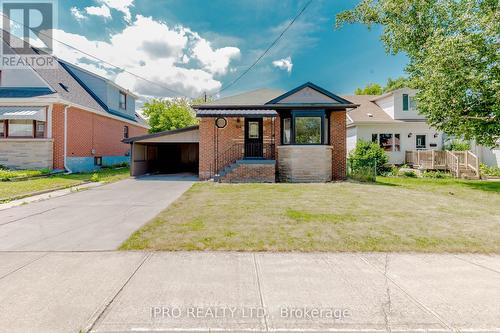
x,y
453,50
169,114
369,89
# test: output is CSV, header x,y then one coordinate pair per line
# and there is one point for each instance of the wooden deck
x,y
459,163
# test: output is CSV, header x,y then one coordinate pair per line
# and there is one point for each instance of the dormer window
x,y
123,100
406,102
413,104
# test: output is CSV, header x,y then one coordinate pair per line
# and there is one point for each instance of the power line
x,y
101,60
268,49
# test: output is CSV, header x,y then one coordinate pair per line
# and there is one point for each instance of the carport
x,y
166,152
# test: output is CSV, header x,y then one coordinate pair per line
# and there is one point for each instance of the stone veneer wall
x,y
26,153
305,164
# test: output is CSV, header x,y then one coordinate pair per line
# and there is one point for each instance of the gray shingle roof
x,y
255,97
366,108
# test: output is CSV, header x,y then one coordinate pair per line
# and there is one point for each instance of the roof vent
x,y
370,115
65,87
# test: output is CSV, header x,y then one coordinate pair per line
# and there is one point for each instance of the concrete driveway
x,y
109,292
96,219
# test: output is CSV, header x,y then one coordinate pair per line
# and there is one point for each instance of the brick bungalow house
x,y
64,118
259,136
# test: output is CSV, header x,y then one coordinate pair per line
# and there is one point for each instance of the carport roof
x,y
160,134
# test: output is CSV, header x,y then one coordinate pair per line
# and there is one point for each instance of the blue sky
x,y
194,46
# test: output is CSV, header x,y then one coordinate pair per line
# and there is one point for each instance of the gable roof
x,y
337,99
254,97
270,99
61,81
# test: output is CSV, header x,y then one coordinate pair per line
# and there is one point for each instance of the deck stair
x,y
461,164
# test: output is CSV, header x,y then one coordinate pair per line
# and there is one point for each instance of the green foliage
x,y
409,174
452,46
94,178
436,174
400,82
370,89
169,114
489,171
367,154
457,145
6,174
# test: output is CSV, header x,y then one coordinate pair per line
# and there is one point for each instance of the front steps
x,y
248,171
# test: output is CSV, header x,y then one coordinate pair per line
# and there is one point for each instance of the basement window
x,y
98,161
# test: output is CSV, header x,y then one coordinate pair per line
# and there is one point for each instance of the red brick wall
x,y
338,142
223,138
87,131
58,135
251,173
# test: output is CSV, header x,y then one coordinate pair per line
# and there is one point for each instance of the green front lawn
x,y
395,214
13,189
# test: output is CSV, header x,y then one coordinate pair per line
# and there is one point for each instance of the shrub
x,y
457,145
366,154
436,174
489,171
363,174
409,174
94,178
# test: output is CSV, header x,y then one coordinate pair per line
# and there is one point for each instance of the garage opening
x,y
166,152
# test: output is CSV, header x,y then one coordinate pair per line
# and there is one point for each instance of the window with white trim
x,y
388,141
2,128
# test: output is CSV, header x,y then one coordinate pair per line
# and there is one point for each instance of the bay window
x,y
20,128
39,129
305,128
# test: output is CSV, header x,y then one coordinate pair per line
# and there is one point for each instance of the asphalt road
x,y
96,219
245,292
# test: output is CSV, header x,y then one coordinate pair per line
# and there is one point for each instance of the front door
x,y
253,138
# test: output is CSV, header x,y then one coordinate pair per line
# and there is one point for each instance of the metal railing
x,y
239,151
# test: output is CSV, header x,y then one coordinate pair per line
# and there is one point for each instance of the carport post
x,y
132,158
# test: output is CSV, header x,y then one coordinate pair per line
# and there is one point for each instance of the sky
x,y
195,46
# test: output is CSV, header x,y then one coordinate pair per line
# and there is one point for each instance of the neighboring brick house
x,y
64,118
267,135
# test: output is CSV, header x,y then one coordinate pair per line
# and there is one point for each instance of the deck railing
x,y
456,162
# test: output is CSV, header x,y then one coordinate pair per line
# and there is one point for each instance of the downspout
x,y
66,139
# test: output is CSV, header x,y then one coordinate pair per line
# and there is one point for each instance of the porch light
x,y
435,135
410,135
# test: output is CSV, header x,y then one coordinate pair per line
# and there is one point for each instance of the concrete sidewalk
x,y
246,292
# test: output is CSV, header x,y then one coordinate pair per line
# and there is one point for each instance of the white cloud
x,y
175,57
284,64
77,14
121,6
103,11
215,61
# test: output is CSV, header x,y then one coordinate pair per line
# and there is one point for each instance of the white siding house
x,y
393,121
